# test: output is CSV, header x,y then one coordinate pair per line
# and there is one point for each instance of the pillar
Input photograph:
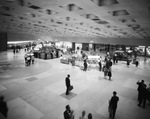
x,y
3,41
73,46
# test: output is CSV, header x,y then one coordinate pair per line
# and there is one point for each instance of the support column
x,y
94,47
73,46
3,41
145,54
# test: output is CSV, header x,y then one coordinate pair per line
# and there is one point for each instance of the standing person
x,y
113,104
67,84
68,113
28,60
85,65
143,96
108,63
140,89
89,116
32,59
14,51
114,58
25,58
83,115
100,64
128,63
3,107
136,63
105,71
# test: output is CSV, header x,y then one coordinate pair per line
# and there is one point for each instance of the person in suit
x,y
89,116
3,107
113,104
140,89
67,81
68,113
143,96
82,115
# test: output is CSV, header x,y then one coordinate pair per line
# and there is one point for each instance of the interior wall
x,y
20,37
113,41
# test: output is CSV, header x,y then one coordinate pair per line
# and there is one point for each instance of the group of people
x,y
3,107
16,49
106,67
69,114
143,93
29,59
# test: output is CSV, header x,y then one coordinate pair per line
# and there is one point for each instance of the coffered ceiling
x,y
77,18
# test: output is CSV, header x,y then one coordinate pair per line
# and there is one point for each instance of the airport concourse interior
x,y
38,91
74,59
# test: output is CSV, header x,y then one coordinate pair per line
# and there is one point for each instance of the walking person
x,y
82,115
89,116
14,51
136,63
128,63
67,81
143,96
68,113
3,107
113,105
85,65
140,88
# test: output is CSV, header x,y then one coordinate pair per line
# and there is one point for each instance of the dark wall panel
x,y
111,41
20,37
85,46
3,41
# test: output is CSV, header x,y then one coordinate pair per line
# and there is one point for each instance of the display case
x,y
64,60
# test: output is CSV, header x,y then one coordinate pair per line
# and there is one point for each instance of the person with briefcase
x,y
69,87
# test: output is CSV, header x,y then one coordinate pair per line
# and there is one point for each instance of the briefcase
x,y
70,88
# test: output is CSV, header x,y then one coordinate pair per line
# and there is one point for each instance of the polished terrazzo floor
x,y
37,91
